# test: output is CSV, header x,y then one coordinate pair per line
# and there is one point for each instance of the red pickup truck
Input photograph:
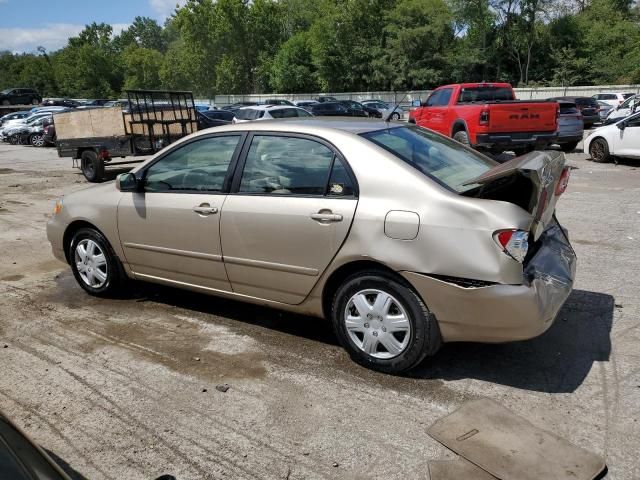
x,y
488,116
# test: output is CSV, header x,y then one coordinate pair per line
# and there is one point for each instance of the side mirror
x,y
127,182
416,103
621,125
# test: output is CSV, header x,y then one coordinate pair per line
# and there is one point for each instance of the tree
x,y
292,69
142,68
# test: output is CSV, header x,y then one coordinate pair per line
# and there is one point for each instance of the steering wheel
x,y
195,178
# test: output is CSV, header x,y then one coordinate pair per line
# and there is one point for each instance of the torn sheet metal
x,y
459,469
510,448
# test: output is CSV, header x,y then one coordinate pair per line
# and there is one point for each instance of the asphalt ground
x,y
125,388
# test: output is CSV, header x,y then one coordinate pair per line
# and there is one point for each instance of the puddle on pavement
x,y
12,278
6,170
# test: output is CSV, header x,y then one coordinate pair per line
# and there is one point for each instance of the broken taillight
x,y
514,243
563,182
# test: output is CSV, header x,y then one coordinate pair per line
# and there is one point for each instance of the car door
x,y
288,213
171,230
627,142
438,111
423,114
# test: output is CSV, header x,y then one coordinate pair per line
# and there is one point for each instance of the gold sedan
x,y
403,237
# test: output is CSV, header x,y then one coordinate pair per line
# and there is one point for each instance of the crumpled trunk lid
x,y
530,181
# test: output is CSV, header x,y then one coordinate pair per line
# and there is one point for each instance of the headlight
x,y
58,207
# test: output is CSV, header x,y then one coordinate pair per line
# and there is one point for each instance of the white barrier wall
x,y
392,97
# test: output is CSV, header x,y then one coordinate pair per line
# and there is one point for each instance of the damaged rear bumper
x,y
501,313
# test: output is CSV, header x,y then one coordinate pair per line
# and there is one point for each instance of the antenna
x,y
395,108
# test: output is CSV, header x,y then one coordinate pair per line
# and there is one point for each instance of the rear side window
x,y
586,102
249,114
607,96
286,166
283,113
443,159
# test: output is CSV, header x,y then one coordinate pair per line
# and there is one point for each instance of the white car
x,y
385,109
613,98
22,121
269,112
620,139
628,107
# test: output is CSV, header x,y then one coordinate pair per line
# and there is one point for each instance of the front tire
x,y
95,265
599,150
35,101
382,323
36,140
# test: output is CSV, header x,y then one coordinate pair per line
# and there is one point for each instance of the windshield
x,y
8,90
445,160
249,114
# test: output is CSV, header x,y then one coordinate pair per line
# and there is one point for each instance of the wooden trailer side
x,y
90,123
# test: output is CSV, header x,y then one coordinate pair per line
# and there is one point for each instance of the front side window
x,y
283,113
440,158
197,166
249,114
286,166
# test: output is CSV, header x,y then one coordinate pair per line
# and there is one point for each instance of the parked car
x,y
214,118
620,139
22,121
269,112
603,110
612,98
124,104
237,105
570,126
278,101
49,133
14,116
95,102
61,102
305,103
335,109
487,116
385,109
356,108
367,198
326,98
49,109
20,96
27,134
588,107
628,107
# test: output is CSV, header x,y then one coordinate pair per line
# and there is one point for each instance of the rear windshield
x,y
567,108
249,114
440,158
484,94
586,102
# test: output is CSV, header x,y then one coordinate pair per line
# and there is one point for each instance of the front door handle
x,y
326,216
205,209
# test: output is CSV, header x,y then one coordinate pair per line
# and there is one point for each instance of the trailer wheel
x,y
92,167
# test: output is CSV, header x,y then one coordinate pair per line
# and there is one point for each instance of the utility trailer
x,y
149,121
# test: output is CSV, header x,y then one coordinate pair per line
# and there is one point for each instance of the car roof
x,y
315,125
267,107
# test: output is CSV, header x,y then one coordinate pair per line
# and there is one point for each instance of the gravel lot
x,y
119,389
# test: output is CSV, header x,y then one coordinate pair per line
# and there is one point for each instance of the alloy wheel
x,y
377,323
91,263
37,140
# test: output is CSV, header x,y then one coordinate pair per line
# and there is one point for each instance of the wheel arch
x,y
587,146
459,126
70,231
340,274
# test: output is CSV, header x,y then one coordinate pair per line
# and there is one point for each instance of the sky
x,y
28,24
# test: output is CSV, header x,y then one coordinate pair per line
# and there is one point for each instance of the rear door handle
x,y
326,217
205,209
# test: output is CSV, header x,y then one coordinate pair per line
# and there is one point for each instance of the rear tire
x,y
390,339
35,101
599,150
95,265
92,167
568,147
462,137
6,102
36,140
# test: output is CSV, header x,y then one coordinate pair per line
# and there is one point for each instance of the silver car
x,y
402,237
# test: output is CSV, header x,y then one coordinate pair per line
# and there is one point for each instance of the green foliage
x,y
244,46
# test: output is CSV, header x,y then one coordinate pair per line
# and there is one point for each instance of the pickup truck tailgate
x,y
522,117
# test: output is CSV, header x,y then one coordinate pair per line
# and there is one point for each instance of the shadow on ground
x,y
558,361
